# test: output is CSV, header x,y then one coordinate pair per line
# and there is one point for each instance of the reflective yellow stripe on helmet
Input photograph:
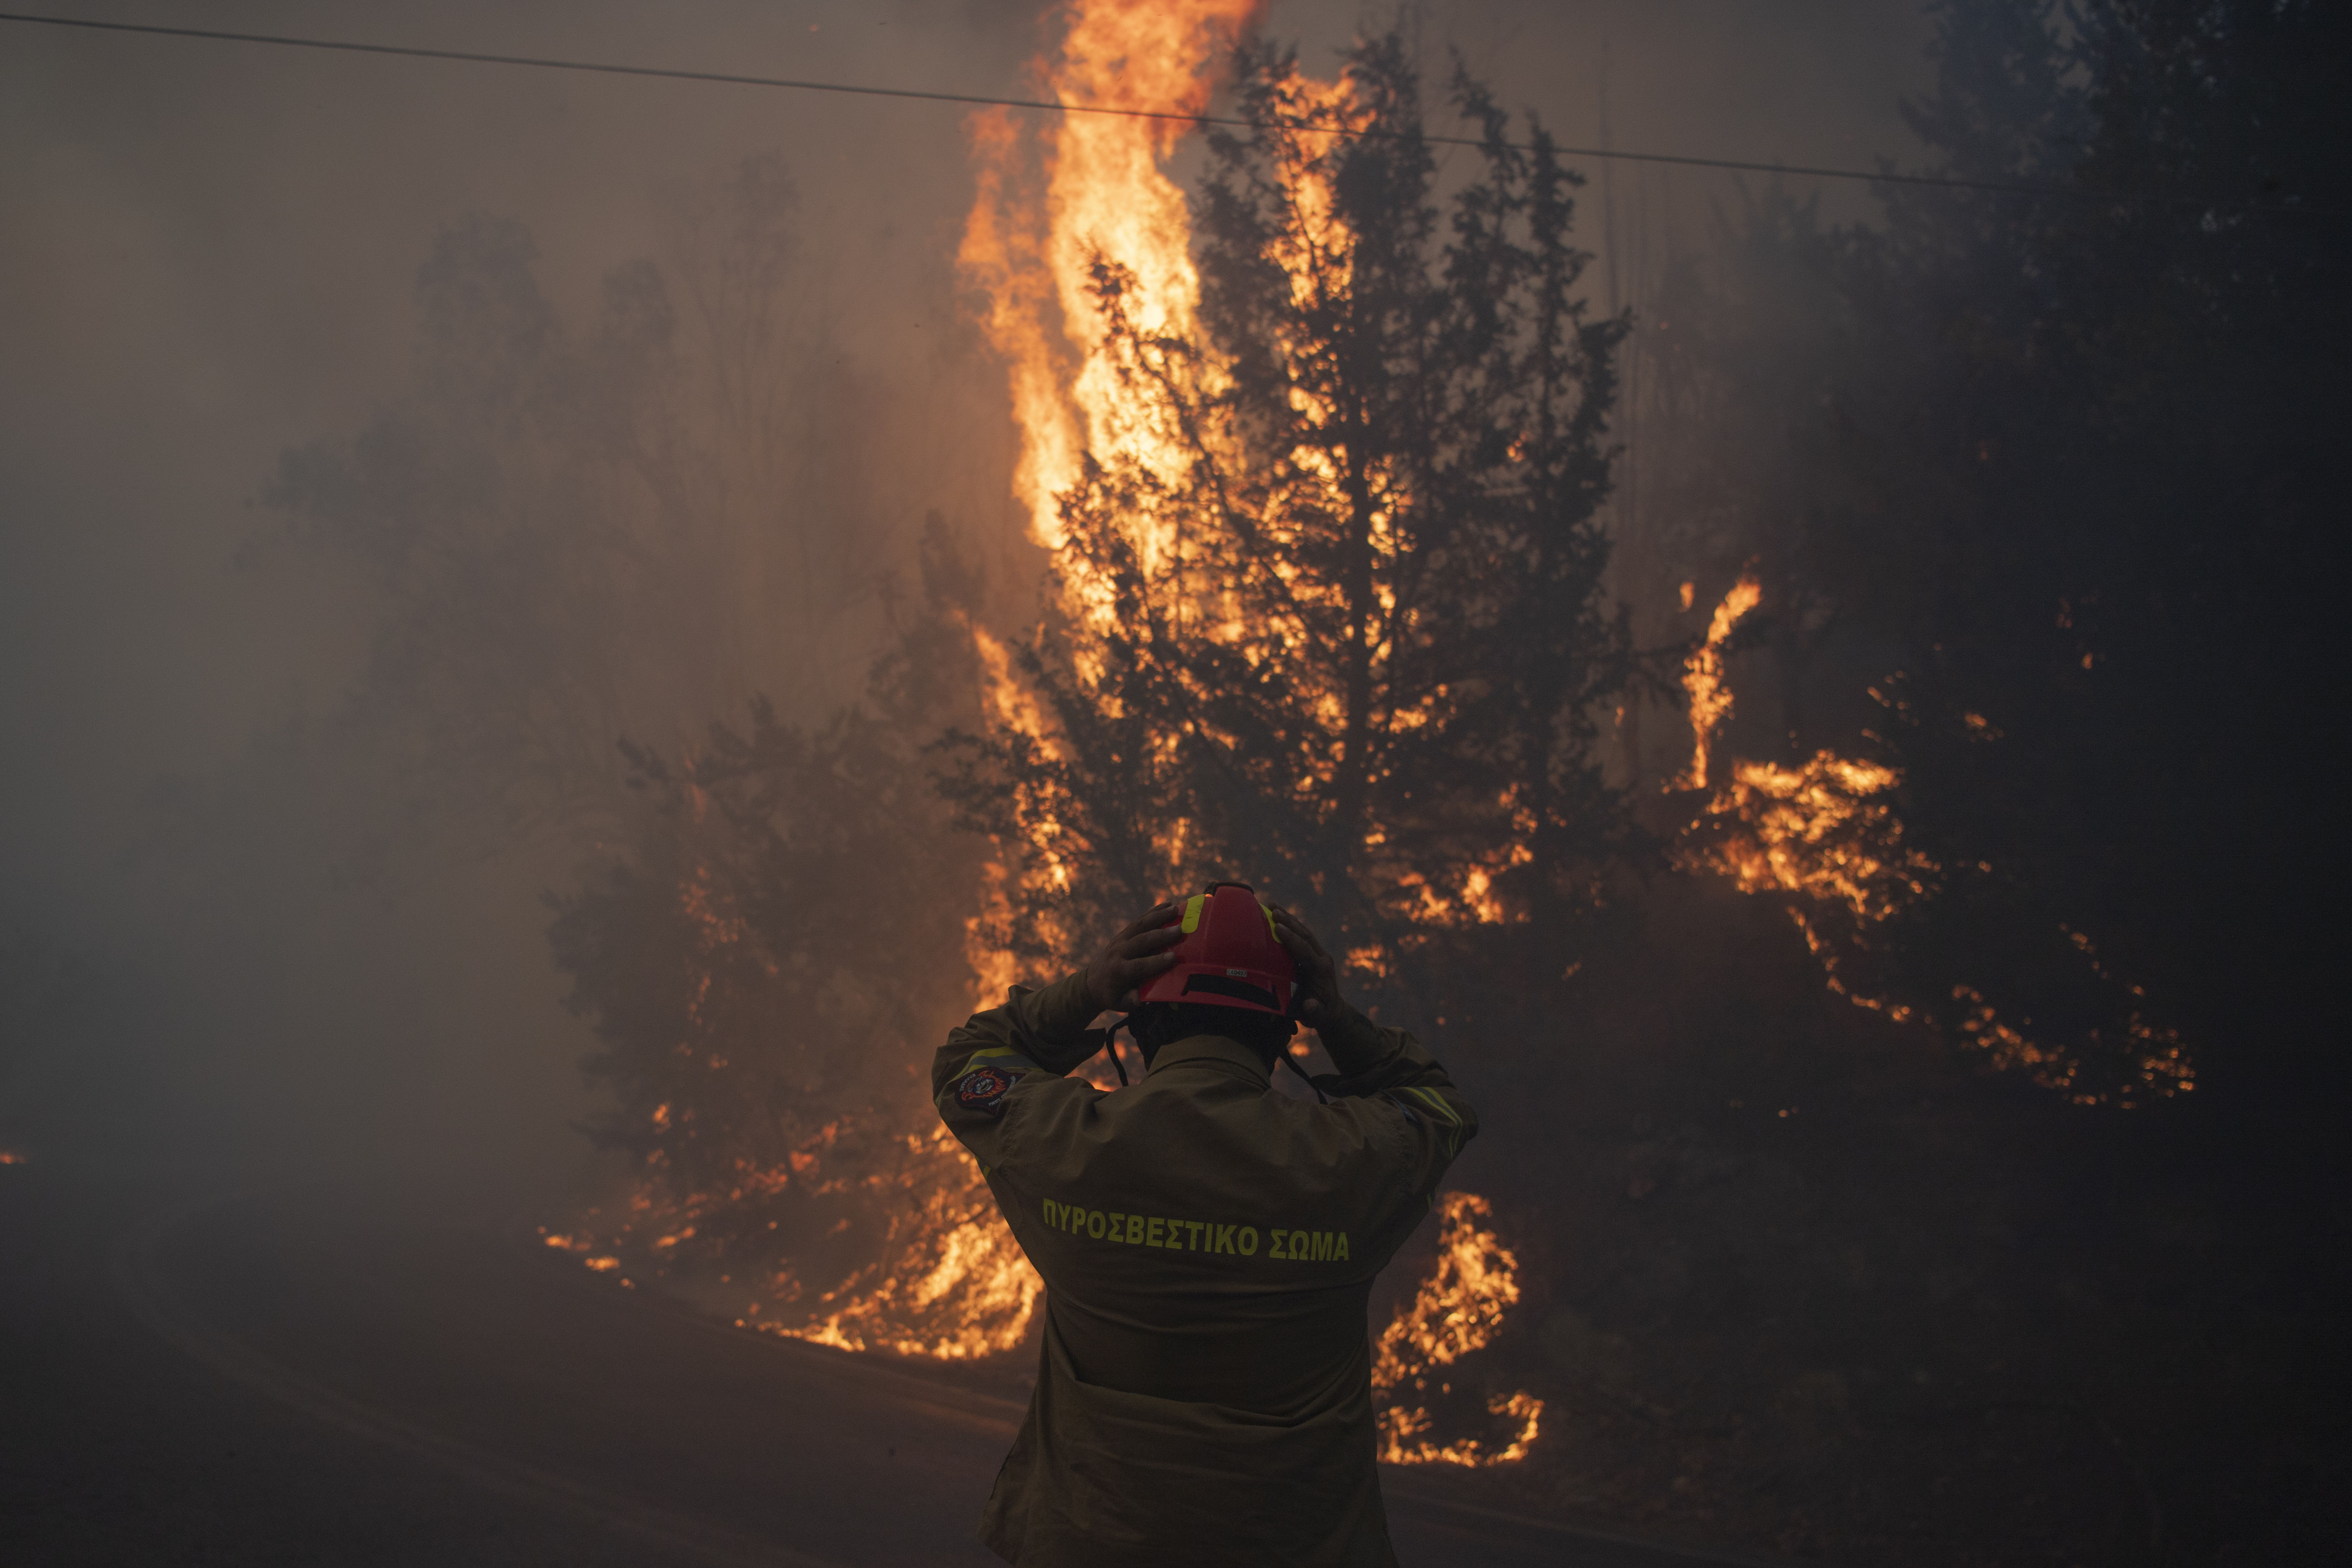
x,y
1192,906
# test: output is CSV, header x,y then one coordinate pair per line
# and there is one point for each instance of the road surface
x,y
248,1381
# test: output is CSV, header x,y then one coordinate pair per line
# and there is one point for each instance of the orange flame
x,y
1817,831
1710,698
942,1276
1104,195
1458,1310
1826,833
953,1284
1084,189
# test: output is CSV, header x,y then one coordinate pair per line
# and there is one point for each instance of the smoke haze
x,y
1915,1140
213,259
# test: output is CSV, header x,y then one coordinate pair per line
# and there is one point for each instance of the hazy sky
x,y
208,250
206,253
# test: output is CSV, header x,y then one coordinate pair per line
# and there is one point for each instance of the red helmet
x,y
1229,956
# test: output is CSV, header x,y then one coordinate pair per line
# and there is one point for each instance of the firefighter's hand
x,y
1134,957
1317,979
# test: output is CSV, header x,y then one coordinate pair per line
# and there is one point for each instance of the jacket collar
x,y
1213,1052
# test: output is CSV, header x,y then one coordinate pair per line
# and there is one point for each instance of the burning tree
x,y
1914,934
795,915
765,970
1318,475
1327,603
2004,520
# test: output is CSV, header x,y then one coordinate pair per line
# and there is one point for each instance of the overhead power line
x,y
729,79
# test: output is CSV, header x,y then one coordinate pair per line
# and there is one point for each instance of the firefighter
x,y
1208,1244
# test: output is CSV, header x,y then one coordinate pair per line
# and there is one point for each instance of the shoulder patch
x,y
983,1088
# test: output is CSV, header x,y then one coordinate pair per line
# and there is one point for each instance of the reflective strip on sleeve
x,y
1433,1104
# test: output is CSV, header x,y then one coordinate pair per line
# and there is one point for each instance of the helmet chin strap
x,y
1292,1063
1106,1039
1297,1000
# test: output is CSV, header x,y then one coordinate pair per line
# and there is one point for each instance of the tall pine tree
x,y
1333,616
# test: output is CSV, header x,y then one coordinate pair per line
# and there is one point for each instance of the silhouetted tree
x,y
2095,478
2037,485
568,534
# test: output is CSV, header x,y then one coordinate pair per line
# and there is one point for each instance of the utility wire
x,y
727,79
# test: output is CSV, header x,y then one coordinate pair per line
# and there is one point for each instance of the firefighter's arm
x,y
1394,1065
1372,1061
1033,1034
1043,1031
1032,1031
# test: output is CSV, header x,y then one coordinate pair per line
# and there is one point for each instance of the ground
x,y
256,1380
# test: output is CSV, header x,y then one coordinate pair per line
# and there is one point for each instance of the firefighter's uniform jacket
x,y
1208,1246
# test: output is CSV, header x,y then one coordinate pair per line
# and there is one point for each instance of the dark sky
x,y
207,257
